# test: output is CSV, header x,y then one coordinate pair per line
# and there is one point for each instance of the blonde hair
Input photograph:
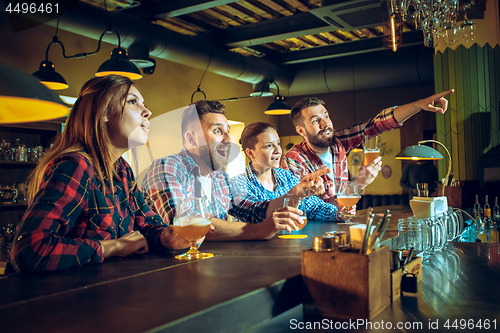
x,y
85,131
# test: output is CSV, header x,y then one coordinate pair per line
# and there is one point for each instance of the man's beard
x,y
212,158
318,141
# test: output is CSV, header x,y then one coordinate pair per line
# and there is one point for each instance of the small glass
x,y
440,239
450,34
21,153
410,230
4,150
8,236
297,202
468,30
347,197
371,148
426,238
192,222
452,225
423,189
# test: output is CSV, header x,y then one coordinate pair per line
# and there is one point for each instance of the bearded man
x,y
323,145
199,171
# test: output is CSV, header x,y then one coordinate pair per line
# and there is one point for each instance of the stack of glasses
x,y
429,235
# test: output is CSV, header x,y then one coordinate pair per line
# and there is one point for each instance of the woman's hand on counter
x,y
132,242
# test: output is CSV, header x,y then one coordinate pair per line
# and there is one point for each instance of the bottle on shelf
x,y
484,230
477,214
495,230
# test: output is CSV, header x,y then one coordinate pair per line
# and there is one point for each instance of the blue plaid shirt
x,y
316,209
176,176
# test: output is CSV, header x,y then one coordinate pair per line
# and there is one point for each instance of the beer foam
x,y
192,220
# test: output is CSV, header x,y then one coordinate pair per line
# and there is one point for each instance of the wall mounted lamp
x,y
24,99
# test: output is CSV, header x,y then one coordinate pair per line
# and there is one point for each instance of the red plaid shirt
x,y
302,160
70,214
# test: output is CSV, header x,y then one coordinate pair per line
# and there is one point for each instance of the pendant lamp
x,y
278,106
24,99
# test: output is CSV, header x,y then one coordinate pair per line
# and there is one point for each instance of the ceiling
x,y
305,46
282,31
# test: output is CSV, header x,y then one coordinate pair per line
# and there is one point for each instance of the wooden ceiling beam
x,y
224,17
277,7
241,12
257,10
344,49
163,9
281,28
298,5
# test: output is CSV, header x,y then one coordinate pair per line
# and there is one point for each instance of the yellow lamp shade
x,y
49,77
278,107
119,64
24,99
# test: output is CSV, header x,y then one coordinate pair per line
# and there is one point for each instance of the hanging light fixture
x,y
47,73
24,99
49,77
118,64
278,106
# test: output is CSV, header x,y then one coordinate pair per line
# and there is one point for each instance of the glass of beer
x,y
347,196
371,148
297,202
192,222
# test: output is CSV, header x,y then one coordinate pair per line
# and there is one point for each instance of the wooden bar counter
x,y
244,286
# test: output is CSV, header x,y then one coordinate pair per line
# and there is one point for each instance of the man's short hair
x,y
303,103
195,112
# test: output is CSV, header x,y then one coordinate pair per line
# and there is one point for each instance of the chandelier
x,y
436,18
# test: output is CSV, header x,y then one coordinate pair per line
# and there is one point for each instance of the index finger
x,y
444,93
318,173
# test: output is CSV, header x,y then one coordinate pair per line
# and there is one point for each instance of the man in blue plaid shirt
x,y
198,171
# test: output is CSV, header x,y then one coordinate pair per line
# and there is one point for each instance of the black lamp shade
x,y
49,77
119,64
278,107
24,99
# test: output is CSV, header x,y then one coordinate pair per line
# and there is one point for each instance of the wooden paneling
x,y
470,128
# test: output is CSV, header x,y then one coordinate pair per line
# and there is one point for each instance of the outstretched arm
x,y
403,112
284,218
